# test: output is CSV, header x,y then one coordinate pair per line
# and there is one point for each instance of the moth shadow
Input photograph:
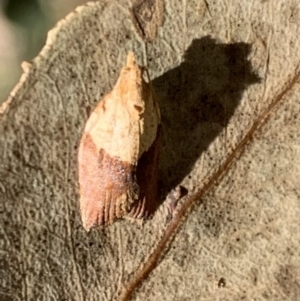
x,y
197,100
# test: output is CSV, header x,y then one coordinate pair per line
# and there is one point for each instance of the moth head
x,y
131,85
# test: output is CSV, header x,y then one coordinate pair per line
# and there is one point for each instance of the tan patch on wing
x,y
125,122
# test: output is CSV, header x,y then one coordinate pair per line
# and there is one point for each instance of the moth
x,y
119,151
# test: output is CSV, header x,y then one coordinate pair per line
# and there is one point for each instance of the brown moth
x,y
118,152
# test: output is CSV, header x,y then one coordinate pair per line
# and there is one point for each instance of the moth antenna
x,y
155,102
153,93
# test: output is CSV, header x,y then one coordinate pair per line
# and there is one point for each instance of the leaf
x,y
227,80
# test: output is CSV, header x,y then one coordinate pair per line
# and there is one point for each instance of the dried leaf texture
x,y
217,67
121,130
148,16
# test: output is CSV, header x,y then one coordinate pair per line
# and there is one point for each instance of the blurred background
x,y
23,31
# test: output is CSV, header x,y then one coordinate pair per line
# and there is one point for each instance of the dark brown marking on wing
x,y
105,186
111,188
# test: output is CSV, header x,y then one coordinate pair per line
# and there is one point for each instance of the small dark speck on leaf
x,y
222,282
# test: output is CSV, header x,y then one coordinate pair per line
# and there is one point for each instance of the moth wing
x,y
107,183
118,153
147,179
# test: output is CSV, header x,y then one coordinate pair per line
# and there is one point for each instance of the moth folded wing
x,y
105,185
120,131
147,179
90,191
